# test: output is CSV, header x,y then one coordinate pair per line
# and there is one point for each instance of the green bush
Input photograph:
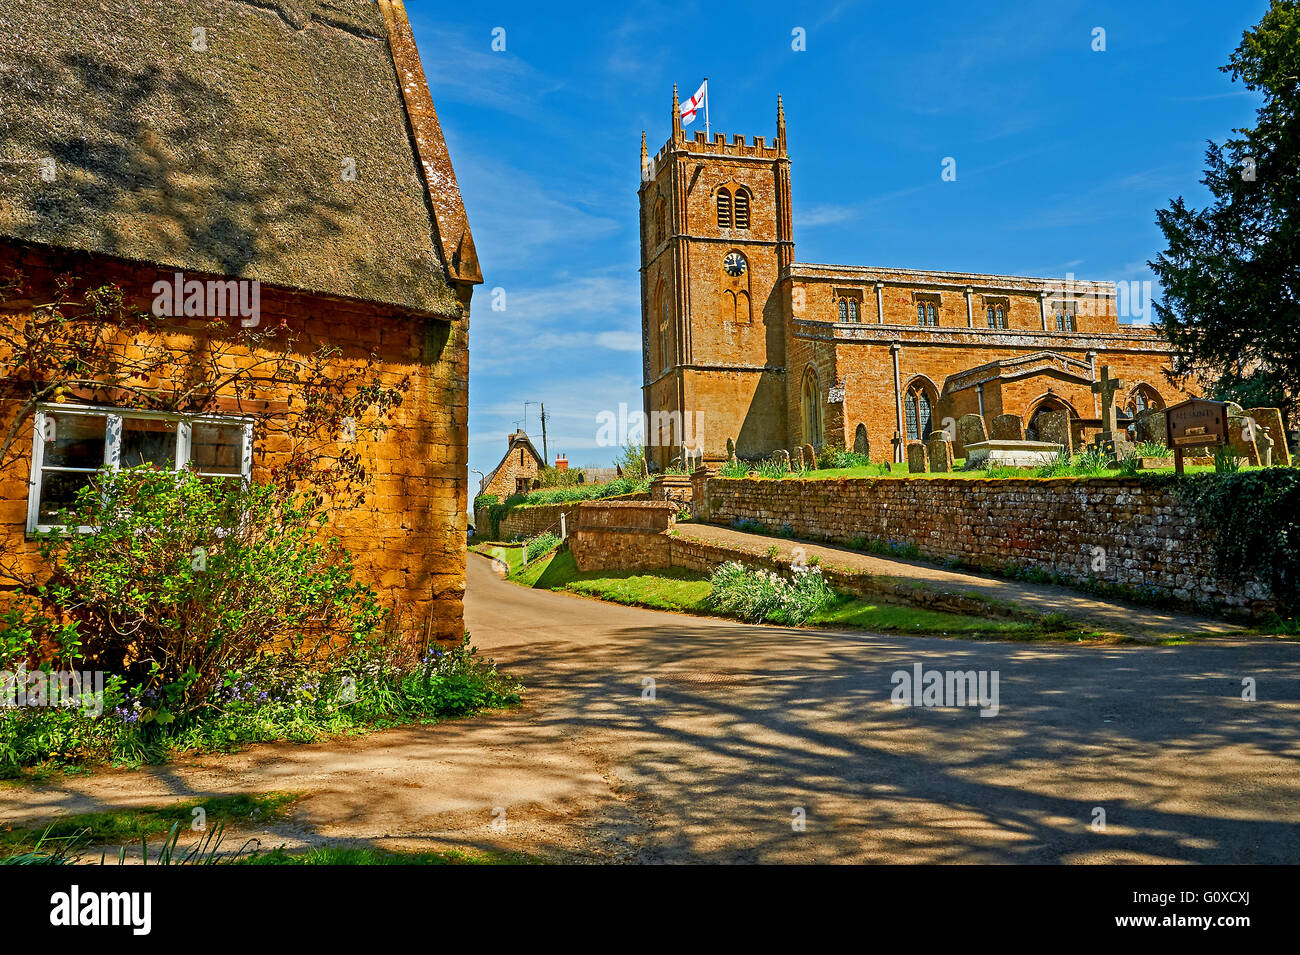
x,y
186,578
760,596
1254,517
541,545
837,459
220,617
485,500
549,477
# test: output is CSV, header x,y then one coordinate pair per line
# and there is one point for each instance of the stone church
x,y
743,342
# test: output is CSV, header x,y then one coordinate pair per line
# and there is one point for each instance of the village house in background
x,y
518,470
295,144
743,343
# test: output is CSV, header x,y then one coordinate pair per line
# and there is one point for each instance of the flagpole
x,y
706,107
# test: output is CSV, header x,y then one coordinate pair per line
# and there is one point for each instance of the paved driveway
x,y
754,728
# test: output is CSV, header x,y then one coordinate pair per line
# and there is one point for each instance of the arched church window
x,y
1143,398
853,310
997,316
661,221
926,313
844,310
918,410
810,401
664,333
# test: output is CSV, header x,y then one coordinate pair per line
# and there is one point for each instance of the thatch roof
x,y
229,159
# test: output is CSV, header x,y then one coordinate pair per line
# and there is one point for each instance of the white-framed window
x,y
72,442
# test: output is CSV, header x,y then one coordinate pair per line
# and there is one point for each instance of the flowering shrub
x,y
761,596
373,687
219,616
185,578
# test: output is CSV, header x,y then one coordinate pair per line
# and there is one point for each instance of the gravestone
x,y
1055,428
1110,441
1270,420
808,457
645,470
1149,426
1007,427
970,430
731,450
782,456
916,458
861,443
940,453
1234,409
1245,438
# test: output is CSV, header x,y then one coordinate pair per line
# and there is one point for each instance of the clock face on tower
x,y
734,264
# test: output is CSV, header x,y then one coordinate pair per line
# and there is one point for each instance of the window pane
x,y
77,440
217,448
59,491
148,441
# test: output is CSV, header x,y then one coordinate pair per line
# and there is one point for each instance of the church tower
x,y
715,237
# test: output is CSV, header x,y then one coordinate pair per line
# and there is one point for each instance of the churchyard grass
x,y
900,471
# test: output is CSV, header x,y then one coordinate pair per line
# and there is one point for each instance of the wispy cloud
x,y
466,69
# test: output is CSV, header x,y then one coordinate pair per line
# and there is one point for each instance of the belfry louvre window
x,y
742,209
724,209
71,443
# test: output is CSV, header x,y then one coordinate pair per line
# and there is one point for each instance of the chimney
x,y
561,463
510,438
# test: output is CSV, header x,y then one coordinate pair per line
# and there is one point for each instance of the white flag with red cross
x,y
697,102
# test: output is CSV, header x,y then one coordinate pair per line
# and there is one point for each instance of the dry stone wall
x,y
1115,530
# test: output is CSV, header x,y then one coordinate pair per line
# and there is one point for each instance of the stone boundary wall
x,y
531,520
625,534
1117,530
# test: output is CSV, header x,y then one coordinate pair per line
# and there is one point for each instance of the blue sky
x,y
1062,153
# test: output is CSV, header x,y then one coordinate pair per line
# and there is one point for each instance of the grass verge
x,y
121,826
687,591
367,856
